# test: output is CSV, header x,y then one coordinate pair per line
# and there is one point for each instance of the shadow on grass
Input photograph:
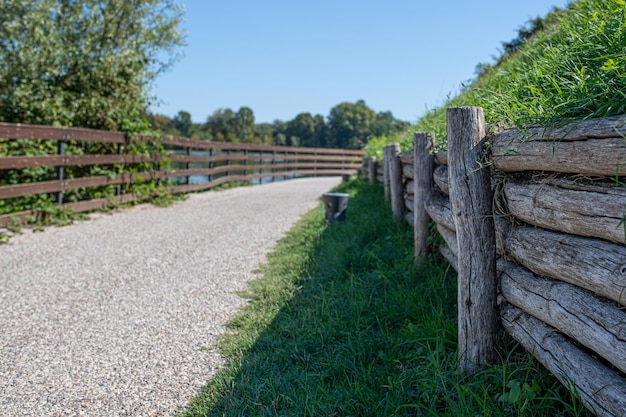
x,y
343,324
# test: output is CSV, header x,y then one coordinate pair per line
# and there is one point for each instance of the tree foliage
x,y
86,63
349,125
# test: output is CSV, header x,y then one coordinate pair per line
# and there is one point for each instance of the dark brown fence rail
x,y
189,165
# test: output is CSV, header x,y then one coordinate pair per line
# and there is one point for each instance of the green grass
x,y
574,69
343,324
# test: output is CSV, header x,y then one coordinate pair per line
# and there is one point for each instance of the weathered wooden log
x,y
606,127
592,321
407,171
423,164
594,264
372,170
386,174
449,236
441,158
409,202
406,158
602,390
471,198
409,187
590,157
440,176
396,192
438,208
450,257
581,213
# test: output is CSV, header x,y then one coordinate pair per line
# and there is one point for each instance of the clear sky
x,y
284,57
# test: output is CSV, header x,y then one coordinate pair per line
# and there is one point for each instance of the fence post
x,y
394,179
471,200
118,188
371,170
423,167
60,171
386,173
187,164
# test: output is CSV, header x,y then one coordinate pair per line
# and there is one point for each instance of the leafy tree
x,y
349,125
309,130
385,124
221,125
244,125
225,125
182,122
84,63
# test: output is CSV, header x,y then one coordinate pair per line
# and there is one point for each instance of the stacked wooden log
x,y
561,238
560,234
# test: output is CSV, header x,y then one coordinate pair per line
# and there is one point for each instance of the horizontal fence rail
x,y
557,229
70,159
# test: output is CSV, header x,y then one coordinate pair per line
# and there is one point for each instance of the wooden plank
x,y
602,390
21,162
471,198
205,144
423,165
605,156
22,217
588,319
594,264
582,213
23,190
606,127
28,131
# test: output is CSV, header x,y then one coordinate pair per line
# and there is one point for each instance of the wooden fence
x,y
535,229
177,159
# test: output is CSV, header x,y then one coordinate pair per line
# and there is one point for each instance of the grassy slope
x,y
343,324
574,69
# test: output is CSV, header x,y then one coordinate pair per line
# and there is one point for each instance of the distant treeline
x,y
348,125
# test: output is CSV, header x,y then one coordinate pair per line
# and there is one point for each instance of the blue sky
x,y
284,57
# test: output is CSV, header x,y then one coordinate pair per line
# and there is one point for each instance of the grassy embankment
x,y
343,324
575,68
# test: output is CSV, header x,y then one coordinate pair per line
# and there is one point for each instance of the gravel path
x,y
118,315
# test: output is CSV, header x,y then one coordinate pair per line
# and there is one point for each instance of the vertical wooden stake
x,y
396,190
60,170
386,173
423,167
371,170
471,200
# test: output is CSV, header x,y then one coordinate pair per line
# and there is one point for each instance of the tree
x,y
182,122
349,125
385,124
86,63
244,125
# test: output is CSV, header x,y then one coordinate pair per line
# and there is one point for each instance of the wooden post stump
x,y
396,191
471,200
423,166
371,171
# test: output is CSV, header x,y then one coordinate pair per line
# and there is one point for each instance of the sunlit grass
x,y
343,324
574,69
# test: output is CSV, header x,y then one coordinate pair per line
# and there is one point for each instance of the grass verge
x,y
343,324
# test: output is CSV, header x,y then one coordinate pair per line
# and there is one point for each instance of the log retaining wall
x,y
558,211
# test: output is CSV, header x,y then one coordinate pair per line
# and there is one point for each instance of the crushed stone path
x,y
118,315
